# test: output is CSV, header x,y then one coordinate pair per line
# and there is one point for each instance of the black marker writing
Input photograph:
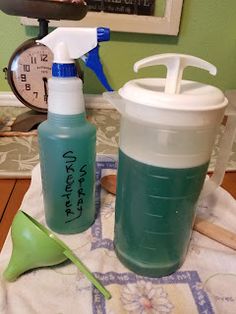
x,y
73,212
70,159
81,192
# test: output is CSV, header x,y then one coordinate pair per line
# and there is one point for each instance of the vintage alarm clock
x,y
30,65
28,71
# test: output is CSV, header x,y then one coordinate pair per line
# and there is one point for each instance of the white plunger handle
x,y
175,63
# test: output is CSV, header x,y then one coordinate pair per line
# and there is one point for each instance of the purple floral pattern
x,y
142,295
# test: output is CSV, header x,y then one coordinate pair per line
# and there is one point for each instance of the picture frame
x,y
167,24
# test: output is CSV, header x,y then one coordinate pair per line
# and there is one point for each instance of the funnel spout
x,y
16,267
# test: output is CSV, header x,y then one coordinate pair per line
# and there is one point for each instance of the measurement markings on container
x,y
153,215
158,233
149,248
172,197
159,177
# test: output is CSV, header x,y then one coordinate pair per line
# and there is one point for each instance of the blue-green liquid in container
x,y
67,159
155,211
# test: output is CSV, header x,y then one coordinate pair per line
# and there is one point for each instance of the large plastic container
x,y
168,128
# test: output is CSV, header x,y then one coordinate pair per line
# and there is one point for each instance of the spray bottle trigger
x,y
92,61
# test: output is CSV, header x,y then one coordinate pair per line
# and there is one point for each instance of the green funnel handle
x,y
88,274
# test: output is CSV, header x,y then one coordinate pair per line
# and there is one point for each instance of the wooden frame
x,y
167,24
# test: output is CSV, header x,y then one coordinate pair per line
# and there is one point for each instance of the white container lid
x,y
173,93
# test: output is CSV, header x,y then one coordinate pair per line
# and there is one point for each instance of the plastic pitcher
x,y
168,128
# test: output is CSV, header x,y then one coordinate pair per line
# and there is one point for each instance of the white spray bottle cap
x,y
65,88
67,44
76,41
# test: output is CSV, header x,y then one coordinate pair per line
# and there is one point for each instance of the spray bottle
x,y
67,140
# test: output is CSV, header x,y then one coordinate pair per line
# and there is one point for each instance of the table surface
x,y
13,191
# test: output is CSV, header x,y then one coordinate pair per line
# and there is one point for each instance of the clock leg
x,y
28,121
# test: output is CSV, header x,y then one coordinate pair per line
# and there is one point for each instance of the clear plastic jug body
x,y
160,176
167,132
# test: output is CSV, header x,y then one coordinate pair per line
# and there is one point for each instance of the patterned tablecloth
x,y
204,284
18,155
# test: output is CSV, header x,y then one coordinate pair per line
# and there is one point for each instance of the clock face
x,y
30,67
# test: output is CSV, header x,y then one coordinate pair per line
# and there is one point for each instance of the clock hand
x,y
45,84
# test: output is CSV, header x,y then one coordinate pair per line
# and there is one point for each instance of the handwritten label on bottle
x,y
73,211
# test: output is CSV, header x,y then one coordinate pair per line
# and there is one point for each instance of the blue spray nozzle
x,y
103,34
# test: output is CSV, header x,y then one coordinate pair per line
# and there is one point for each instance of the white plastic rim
x,y
193,96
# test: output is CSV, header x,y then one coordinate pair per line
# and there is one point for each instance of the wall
x,y
208,30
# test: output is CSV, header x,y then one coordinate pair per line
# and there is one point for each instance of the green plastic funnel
x,y
36,246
